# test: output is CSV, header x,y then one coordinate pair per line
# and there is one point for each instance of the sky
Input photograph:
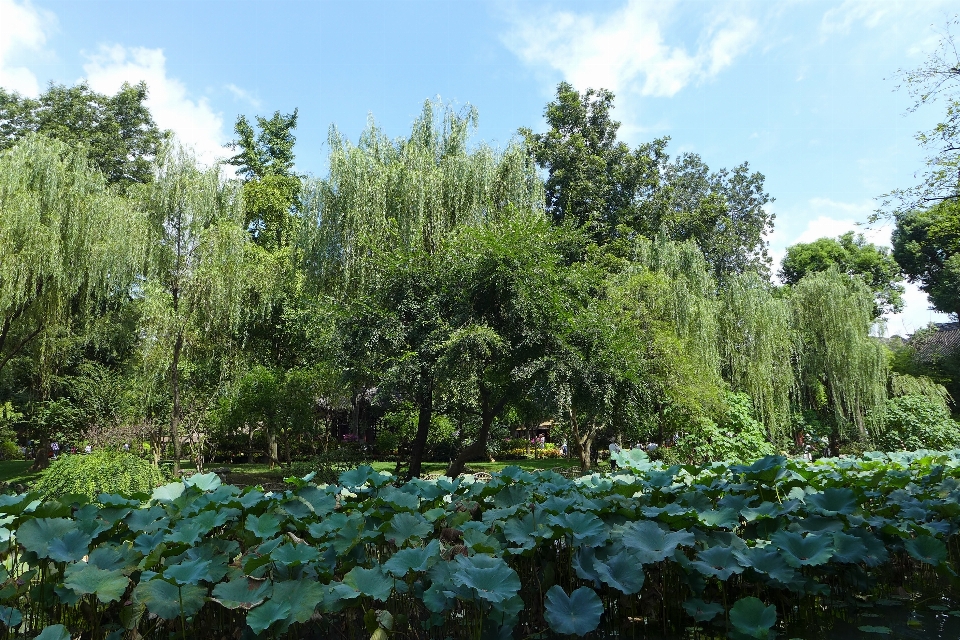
x,y
804,91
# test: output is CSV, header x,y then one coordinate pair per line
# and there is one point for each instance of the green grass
x,y
17,472
428,467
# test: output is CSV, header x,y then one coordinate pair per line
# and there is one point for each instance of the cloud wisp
x,y
627,51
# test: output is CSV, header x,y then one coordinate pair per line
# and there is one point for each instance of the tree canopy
x,y
853,255
118,132
926,244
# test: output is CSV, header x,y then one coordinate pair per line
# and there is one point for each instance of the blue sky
x,y
803,91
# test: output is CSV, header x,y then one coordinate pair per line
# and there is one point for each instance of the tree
x,y
118,132
938,78
67,245
200,265
597,183
926,244
854,256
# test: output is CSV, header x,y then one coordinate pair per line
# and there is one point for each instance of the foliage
x,y
764,544
851,255
597,183
736,437
116,133
102,471
10,450
926,244
912,422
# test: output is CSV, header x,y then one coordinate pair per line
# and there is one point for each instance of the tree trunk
x,y
419,444
272,445
478,447
583,441
175,412
41,458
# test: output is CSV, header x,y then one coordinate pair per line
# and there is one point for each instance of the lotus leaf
x,y
242,593
203,481
10,617
767,562
727,518
834,501
927,549
362,475
168,492
702,611
718,562
511,495
83,578
413,559
621,572
37,534
147,520
370,582
163,598
294,554
491,578
653,544
54,632
400,500
264,527
261,617
303,596
751,617
799,551
576,614
586,529
526,530
872,629
251,498
405,527
319,500
70,547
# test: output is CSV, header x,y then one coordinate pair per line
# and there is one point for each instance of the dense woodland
x,y
433,298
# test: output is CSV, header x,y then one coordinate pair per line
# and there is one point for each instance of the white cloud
x,y
626,49
23,32
244,96
193,121
874,13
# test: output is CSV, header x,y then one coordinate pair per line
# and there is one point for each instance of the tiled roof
x,y
944,341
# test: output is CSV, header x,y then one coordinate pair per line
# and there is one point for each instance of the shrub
x,y
103,471
737,437
916,422
10,451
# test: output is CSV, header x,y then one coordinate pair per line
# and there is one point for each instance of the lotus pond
x,y
853,548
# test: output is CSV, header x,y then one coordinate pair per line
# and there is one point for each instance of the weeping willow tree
x,y
840,369
67,244
409,193
755,340
203,264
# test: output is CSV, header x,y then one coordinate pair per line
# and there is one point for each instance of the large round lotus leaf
x,y
525,531
927,549
168,492
834,501
262,616
36,535
577,614
54,632
849,549
405,527
767,562
265,526
702,611
651,543
294,554
491,578
370,582
363,474
584,563
717,561
85,578
71,547
413,559
398,499
163,599
727,518
302,595
621,572
322,502
875,551
798,551
765,469
585,528
190,571
203,481
10,617
751,617
243,592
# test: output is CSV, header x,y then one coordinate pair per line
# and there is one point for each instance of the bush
x,y
103,471
737,437
916,422
10,451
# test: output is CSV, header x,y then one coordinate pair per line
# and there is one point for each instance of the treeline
x,y
431,297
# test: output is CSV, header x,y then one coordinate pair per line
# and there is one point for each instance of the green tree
x,y
926,244
201,263
68,245
937,79
117,132
597,183
853,255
